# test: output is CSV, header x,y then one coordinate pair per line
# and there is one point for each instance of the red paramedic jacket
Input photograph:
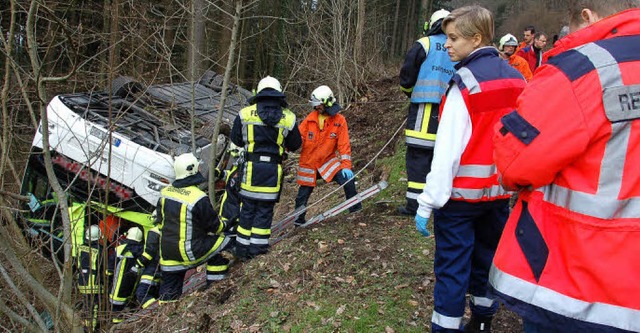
x,y
568,254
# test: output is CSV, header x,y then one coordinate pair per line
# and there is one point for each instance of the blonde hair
x,y
603,8
472,20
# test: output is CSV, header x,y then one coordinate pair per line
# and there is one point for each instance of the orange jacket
x,y
571,243
521,65
324,151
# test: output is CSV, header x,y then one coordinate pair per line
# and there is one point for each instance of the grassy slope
x,y
364,272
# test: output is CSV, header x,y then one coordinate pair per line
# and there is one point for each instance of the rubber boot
x,y
478,324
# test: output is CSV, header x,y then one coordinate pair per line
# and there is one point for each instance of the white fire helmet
x,y
322,95
269,82
93,233
134,234
185,165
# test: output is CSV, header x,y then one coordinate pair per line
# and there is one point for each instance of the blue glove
x,y
347,173
421,225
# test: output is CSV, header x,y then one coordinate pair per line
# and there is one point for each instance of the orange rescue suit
x,y
325,151
521,65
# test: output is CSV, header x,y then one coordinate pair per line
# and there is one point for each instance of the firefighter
x,y
148,264
507,48
125,278
190,229
326,150
424,76
469,206
229,211
91,274
567,258
265,129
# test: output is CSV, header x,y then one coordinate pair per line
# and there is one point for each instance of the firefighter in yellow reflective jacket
x,y
191,231
91,274
149,266
125,276
265,129
229,211
424,77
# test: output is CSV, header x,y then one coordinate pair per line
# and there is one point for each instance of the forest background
x,y
51,47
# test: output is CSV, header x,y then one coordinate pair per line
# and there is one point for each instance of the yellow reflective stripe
x,y
426,115
188,195
260,231
250,138
261,189
416,185
420,135
39,221
149,302
243,231
426,44
406,89
76,214
161,212
90,289
183,233
147,256
174,265
217,268
280,140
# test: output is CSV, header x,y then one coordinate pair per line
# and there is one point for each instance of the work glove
x,y
347,173
421,225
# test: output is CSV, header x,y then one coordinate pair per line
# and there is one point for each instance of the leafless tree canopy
x,y
49,47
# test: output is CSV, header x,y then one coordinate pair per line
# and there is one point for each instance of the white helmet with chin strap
x,y
269,82
185,165
322,95
507,40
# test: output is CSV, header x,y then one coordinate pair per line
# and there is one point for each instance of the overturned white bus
x,y
113,152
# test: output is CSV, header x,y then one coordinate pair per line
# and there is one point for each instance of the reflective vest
x,y
150,257
90,272
229,211
185,243
264,147
490,88
433,78
570,246
125,280
325,151
435,72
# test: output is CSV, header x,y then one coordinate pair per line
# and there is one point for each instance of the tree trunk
x,y
223,96
358,47
196,40
394,34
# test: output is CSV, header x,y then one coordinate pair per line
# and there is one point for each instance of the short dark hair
x,y
539,34
530,28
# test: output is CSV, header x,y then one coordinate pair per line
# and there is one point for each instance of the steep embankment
x,y
364,272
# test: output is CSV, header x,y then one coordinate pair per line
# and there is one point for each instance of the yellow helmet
x,y
269,82
185,165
